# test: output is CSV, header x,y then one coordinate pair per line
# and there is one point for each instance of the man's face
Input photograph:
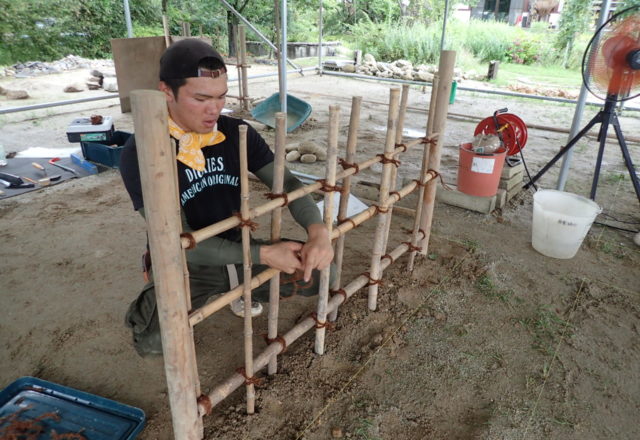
x,y
198,104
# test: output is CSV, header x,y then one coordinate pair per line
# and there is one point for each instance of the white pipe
x,y
283,56
577,115
127,19
320,39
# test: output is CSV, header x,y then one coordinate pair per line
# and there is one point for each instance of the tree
x,y
575,19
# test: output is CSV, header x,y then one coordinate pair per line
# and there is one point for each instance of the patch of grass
x,y
363,430
487,287
614,177
613,248
546,327
471,245
550,76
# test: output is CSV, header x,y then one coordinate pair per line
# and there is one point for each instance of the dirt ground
x,y
485,339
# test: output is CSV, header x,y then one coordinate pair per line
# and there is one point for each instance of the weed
x,y
487,287
563,421
546,327
470,245
614,177
363,430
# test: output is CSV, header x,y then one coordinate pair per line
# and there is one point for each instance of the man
x,y
194,80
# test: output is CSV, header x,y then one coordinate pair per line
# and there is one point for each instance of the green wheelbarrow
x,y
297,111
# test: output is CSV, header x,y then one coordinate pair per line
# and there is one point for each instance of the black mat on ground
x,y
22,167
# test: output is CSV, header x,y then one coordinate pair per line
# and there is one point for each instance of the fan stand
x,y
607,116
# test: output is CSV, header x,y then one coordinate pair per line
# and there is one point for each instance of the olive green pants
x,y
205,282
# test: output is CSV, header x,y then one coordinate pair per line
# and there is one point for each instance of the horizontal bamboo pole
x,y
199,315
232,222
223,390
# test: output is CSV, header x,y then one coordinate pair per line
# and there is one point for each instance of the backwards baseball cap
x,y
183,58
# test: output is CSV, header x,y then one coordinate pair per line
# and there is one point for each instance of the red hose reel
x,y
511,130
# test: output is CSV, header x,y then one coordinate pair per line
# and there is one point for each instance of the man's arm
x,y
216,251
317,252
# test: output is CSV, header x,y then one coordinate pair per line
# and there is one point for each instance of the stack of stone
x,y
404,69
305,152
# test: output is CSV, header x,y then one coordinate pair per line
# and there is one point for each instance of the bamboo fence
x,y
168,245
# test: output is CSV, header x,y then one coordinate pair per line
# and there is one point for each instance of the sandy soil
x,y
486,339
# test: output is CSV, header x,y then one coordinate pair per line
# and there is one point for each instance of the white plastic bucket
x,y
561,220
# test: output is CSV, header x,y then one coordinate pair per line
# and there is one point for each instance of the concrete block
x,y
513,191
456,198
508,172
510,183
501,198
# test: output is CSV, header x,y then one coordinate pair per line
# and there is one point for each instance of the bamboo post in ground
x,y
162,210
239,30
352,141
246,258
276,228
243,68
445,72
375,272
423,170
330,182
394,171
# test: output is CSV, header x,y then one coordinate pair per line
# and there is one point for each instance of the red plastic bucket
x,y
479,173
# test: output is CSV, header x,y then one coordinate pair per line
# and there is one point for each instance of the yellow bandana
x,y
191,144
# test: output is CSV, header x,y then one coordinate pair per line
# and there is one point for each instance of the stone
x,y
74,88
349,68
97,73
403,63
308,158
291,147
368,58
110,84
310,147
17,94
424,76
3,91
292,156
93,86
336,432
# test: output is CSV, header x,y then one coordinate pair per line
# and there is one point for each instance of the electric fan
x,y
610,71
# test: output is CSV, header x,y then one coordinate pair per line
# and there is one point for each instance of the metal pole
x,y
320,39
283,56
582,98
444,24
256,31
127,19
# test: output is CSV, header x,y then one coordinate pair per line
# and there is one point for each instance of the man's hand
x,y
283,256
317,252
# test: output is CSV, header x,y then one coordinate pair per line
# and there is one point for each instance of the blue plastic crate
x,y
66,410
297,111
108,155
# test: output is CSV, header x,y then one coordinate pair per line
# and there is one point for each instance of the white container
x,y
561,220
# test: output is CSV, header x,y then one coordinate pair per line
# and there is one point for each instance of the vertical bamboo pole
x,y
375,273
394,170
243,68
445,71
352,141
240,29
330,180
423,172
276,228
246,254
157,161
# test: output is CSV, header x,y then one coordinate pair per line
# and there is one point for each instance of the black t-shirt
x,y
211,195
